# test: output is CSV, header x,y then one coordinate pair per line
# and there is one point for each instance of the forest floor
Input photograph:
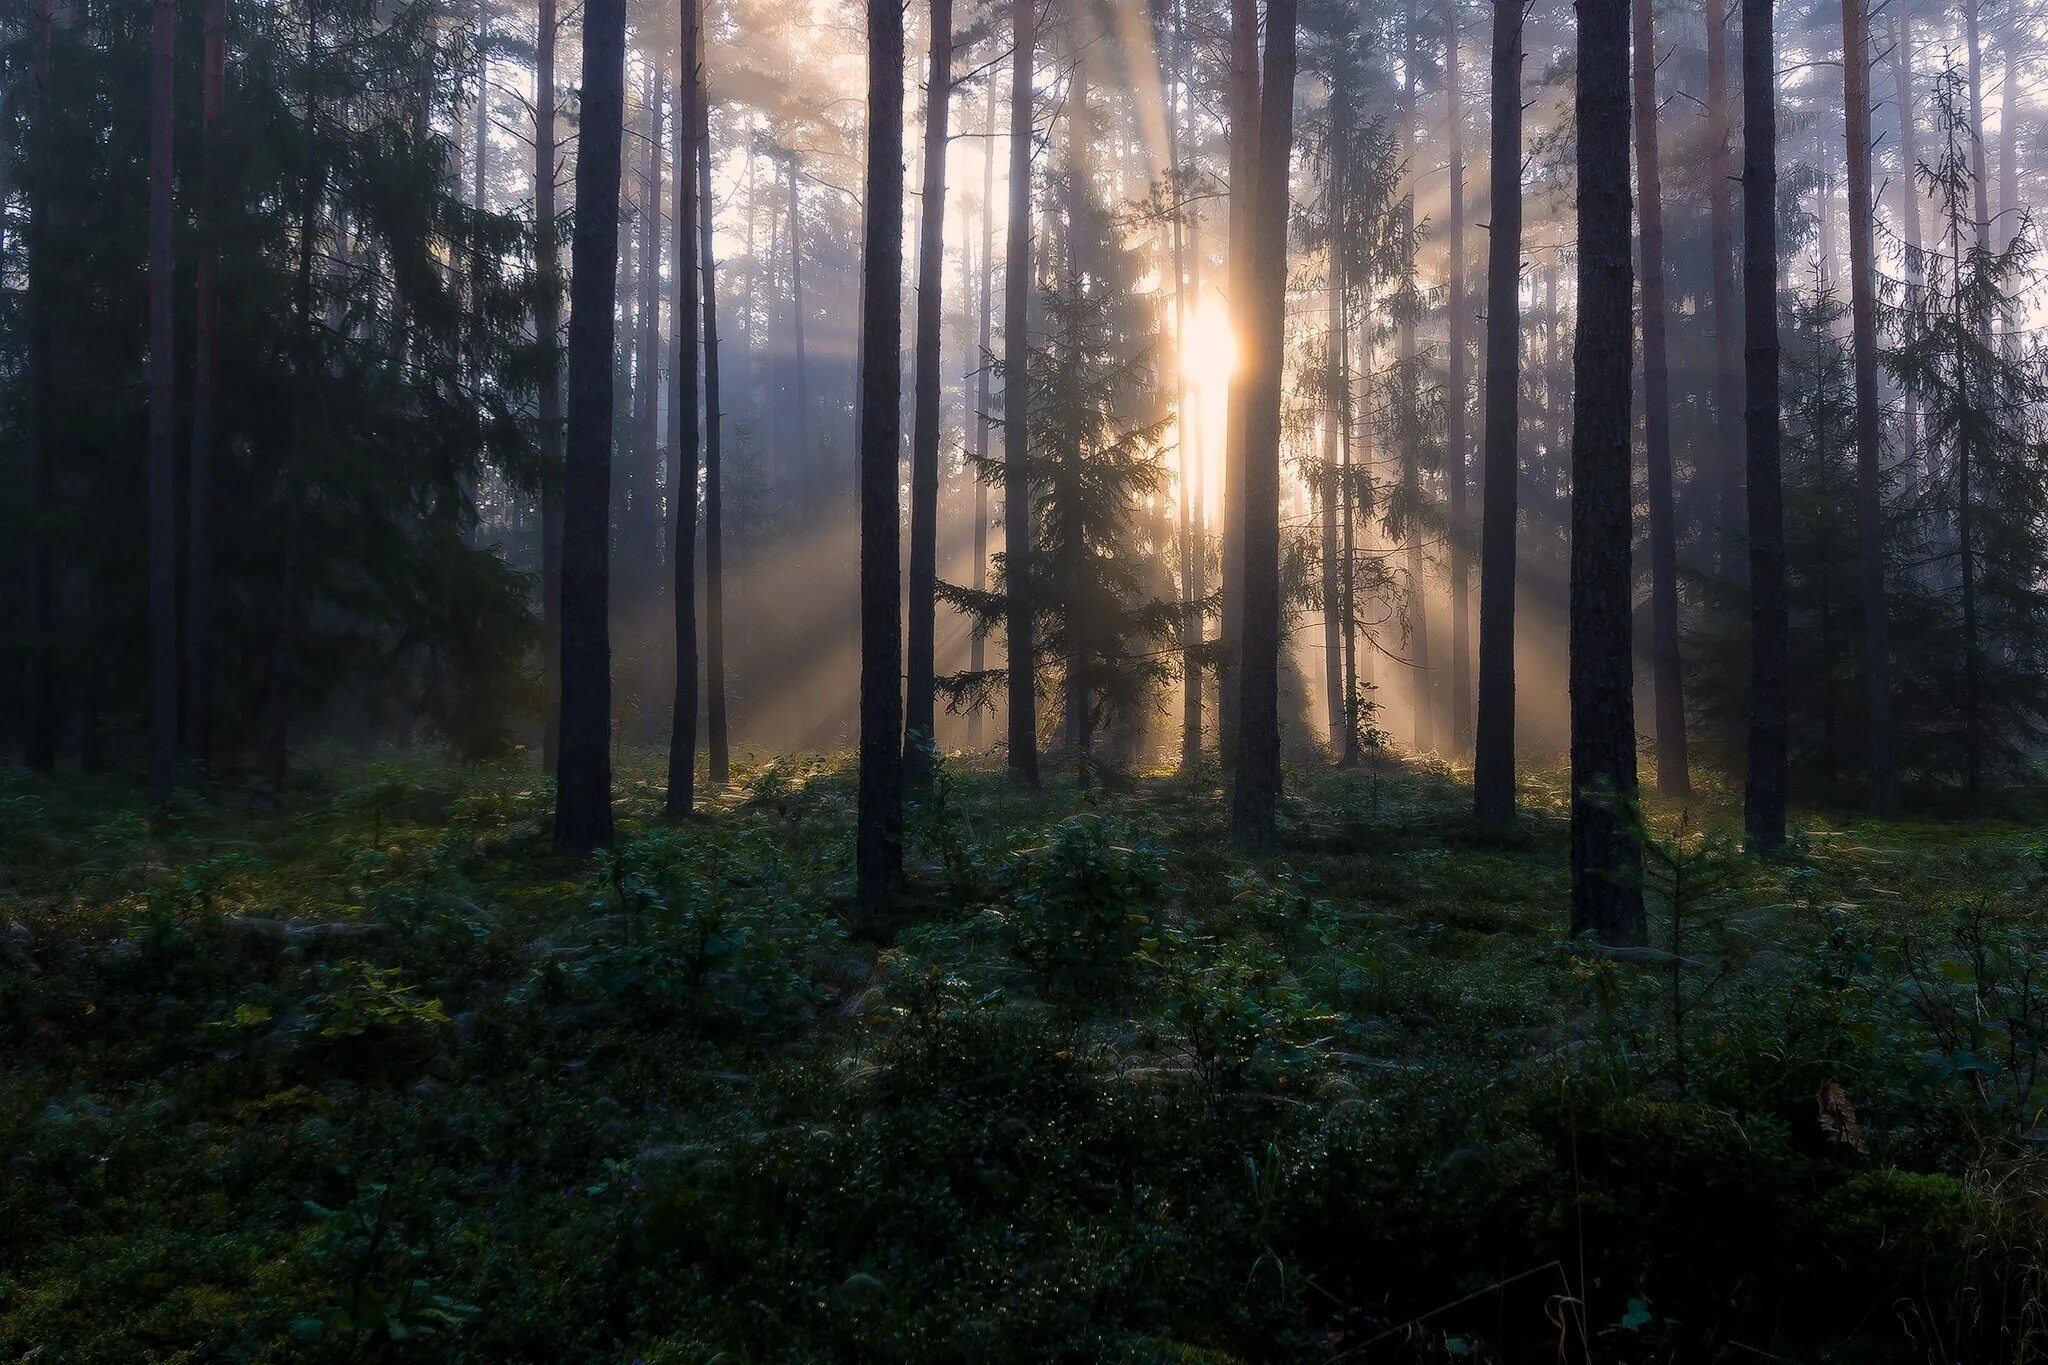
x,y
384,1078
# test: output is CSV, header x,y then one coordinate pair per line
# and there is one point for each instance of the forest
x,y
1051,680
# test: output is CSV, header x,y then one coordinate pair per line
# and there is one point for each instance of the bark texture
x,y
1763,803
1493,765
919,721
1256,793
878,839
1607,894
583,771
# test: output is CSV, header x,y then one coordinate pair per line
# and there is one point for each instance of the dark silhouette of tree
x,y
684,432
878,839
1877,655
1672,776
1018,644
199,643
1979,383
919,726
1493,767
547,326
982,417
1456,388
1764,790
163,500
1607,893
583,772
40,589
1408,415
1187,422
1255,793
1093,471
1721,296
1243,100
716,723
1909,193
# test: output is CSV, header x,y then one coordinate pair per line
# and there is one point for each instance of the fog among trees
x,y
1122,492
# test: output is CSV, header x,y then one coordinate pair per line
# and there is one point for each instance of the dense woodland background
x,y
368,220
1166,601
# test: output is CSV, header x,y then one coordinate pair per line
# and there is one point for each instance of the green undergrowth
x,y
385,1078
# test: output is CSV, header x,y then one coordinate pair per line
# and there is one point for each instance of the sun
x,y
1208,352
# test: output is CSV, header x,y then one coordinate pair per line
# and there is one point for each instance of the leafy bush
x,y
699,931
1076,904
1241,1020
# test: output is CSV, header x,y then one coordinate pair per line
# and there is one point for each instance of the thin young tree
x,y
1672,776
1408,403
583,772
40,590
1018,643
716,725
919,719
684,431
1493,766
1187,417
1763,802
1455,391
1980,170
1329,487
1239,268
547,327
1721,295
984,357
163,526
1877,657
878,842
205,392
1606,857
1255,794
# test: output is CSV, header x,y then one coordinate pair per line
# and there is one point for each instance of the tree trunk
x,y
1328,490
205,386
984,355
583,801
1721,245
1186,419
547,325
2009,131
163,526
1607,893
1018,633
684,433
1454,402
1256,792
920,734
640,529
1969,377
1421,694
715,720
1244,146
40,731
878,846
1980,171
1672,776
1493,766
478,192
1347,484
1764,791
1877,663
1909,201
1080,651
277,692
803,457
